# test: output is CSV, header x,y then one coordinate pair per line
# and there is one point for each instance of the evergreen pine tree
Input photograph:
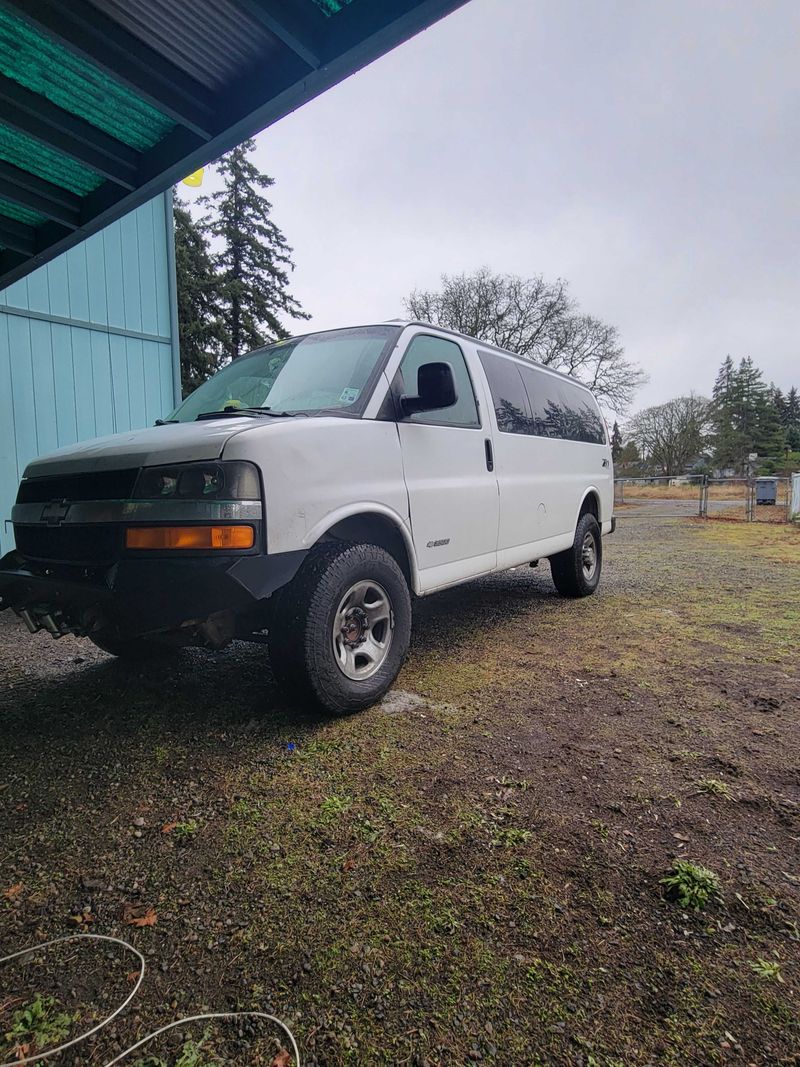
x,y
780,403
254,259
748,397
200,326
616,442
770,437
791,419
730,446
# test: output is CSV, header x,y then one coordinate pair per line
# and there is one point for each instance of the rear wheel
x,y
131,649
340,630
576,570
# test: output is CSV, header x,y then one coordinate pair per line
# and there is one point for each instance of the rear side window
x,y
425,348
530,401
511,406
561,409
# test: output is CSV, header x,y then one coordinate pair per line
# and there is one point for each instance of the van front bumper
x,y
140,596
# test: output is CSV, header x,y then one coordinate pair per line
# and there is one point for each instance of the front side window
x,y
331,372
428,349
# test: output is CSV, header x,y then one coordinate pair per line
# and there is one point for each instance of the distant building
x,y
88,344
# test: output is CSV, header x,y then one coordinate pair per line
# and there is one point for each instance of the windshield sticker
x,y
349,395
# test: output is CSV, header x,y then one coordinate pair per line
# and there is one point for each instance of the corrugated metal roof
x,y
210,41
105,103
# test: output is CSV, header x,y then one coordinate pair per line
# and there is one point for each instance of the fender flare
x,y
366,508
590,489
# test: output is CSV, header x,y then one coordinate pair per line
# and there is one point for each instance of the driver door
x,y
447,461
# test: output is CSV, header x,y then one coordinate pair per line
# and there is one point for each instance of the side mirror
x,y
436,388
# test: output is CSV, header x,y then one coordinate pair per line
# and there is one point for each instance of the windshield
x,y
331,372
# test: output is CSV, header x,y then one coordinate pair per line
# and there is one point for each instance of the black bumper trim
x,y
141,595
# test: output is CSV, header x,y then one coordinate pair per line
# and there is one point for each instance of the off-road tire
x,y
300,634
567,567
131,649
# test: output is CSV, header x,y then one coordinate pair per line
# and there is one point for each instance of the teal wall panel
x,y
88,345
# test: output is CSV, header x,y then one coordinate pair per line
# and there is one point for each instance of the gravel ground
x,y
469,872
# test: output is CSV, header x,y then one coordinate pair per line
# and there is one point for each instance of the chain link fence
x,y
763,499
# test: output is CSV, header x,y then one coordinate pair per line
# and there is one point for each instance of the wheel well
x,y
374,530
591,505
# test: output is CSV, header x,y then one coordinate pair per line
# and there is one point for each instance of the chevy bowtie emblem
x,y
55,512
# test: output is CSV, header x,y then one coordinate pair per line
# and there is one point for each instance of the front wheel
x,y
341,629
576,570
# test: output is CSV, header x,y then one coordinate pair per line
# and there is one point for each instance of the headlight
x,y
234,480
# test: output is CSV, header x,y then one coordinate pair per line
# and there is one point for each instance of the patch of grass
x,y
191,1055
715,787
38,1025
523,868
511,837
769,970
334,807
185,829
367,830
691,885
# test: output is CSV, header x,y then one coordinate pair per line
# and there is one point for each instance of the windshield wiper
x,y
254,412
166,422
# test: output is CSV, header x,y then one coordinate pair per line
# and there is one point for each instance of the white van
x,y
304,493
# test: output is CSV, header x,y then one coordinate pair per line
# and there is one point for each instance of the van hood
x,y
180,442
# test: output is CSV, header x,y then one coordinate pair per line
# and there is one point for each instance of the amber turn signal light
x,y
189,537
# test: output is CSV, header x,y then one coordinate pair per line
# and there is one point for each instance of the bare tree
x,y
671,435
536,319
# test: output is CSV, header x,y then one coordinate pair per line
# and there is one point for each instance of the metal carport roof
x,y
104,103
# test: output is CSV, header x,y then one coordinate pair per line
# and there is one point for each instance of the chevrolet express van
x,y
304,494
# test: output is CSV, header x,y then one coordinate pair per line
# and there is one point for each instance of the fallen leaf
x,y
168,827
281,1059
132,975
680,837
13,891
139,915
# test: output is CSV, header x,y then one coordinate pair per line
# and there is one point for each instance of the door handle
x,y
605,462
489,455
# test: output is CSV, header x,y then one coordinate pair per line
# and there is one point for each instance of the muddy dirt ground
x,y
469,872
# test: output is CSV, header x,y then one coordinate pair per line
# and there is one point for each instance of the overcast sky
x,y
649,153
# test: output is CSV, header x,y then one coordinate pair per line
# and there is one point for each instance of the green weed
x,y
185,829
769,970
38,1025
691,885
191,1055
333,807
511,837
715,787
